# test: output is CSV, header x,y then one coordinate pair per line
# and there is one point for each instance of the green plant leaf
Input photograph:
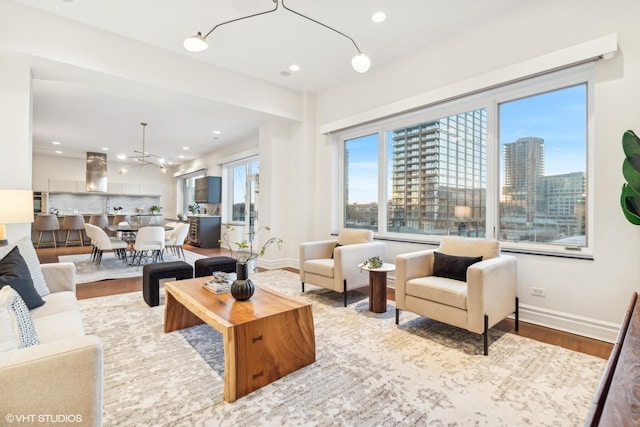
x,y
630,201
630,144
631,175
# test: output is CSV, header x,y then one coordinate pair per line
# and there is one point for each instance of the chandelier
x,y
145,157
197,43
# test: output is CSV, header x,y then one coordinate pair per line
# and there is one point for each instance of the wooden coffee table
x,y
265,338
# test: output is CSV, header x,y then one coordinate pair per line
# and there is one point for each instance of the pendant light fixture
x,y
198,43
144,158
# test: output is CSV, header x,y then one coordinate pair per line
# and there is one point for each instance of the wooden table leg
x,y
378,291
176,315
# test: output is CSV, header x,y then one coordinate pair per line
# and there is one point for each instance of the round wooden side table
x,y
378,286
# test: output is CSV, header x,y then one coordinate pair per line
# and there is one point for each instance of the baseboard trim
x,y
574,324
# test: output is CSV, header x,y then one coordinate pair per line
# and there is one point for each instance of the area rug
x,y
113,267
368,371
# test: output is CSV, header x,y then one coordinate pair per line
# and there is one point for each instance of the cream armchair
x,y
333,264
488,295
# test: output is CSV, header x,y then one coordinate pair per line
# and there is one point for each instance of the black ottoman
x,y
152,273
206,266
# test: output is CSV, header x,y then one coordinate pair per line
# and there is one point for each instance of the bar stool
x,y
99,220
73,223
47,222
118,218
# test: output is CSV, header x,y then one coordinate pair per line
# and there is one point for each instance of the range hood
x,y
97,172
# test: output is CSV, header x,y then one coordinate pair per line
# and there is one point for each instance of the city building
x,y
523,178
426,187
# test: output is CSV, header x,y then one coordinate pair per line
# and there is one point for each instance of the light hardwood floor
x,y
117,286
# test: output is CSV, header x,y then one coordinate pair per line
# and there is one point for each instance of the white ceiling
x,y
86,112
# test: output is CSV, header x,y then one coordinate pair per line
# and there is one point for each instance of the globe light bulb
x,y
361,63
195,43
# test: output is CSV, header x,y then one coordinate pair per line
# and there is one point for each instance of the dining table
x,y
128,232
133,228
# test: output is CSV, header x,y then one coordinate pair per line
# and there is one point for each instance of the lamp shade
x,y
16,206
195,43
361,63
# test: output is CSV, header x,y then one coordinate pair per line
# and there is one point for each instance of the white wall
x,y
584,296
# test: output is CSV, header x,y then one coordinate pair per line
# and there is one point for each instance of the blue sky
x,y
558,117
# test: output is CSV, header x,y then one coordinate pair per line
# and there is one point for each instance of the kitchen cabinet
x,y
208,189
114,188
130,188
62,186
150,189
204,231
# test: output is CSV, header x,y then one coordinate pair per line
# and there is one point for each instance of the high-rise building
x,y
436,167
566,195
523,188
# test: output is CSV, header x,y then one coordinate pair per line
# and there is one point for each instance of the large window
x,y
361,177
543,142
509,163
188,189
438,176
242,184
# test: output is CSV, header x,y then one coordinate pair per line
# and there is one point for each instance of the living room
x,y
584,295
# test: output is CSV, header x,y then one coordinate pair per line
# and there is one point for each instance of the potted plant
x,y
372,263
245,254
194,208
155,209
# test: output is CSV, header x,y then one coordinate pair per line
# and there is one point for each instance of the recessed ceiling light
x,y
122,156
161,161
378,17
105,148
58,152
181,156
285,73
216,132
185,148
56,142
294,67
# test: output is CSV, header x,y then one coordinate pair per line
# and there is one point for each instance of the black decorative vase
x,y
242,288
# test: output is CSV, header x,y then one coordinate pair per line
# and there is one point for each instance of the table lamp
x,y
16,207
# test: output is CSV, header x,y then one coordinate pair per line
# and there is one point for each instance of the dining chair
x,y
149,244
104,243
177,238
170,230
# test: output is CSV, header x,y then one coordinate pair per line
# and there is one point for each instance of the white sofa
x,y
61,376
